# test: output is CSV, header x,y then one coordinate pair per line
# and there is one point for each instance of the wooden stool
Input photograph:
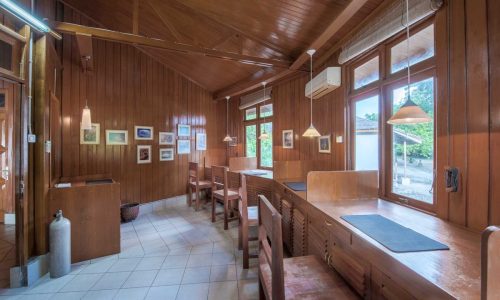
x,y
249,217
303,277
490,263
223,193
195,185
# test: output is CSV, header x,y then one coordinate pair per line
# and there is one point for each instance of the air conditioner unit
x,y
325,82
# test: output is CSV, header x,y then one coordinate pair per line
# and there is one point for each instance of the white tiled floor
x,y
170,253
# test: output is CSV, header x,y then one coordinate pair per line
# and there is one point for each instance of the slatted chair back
x,y
258,186
219,179
243,202
193,173
490,263
271,255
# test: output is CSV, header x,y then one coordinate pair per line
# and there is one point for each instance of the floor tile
x,y
150,263
162,292
175,261
81,283
50,285
98,267
111,281
193,291
123,265
223,273
100,295
223,259
248,289
68,296
227,290
132,294
169,277
140,279
199,260
196,275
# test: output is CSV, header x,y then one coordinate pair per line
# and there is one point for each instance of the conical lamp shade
x,y
311,132
409,113
227,139
86,120
264,136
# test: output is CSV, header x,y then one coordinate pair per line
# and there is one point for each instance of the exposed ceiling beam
x,y
246,34
346,14
171,28
254,81
128,38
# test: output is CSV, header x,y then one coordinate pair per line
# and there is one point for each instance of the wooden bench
x,y
490,263
304,277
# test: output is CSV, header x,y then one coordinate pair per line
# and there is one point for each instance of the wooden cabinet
x,y
287,223
298,233
316,236
383,287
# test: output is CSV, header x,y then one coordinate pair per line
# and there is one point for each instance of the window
x,y
5,55
403,154
413,145
366,138
421,48
366,73
251,114
255,125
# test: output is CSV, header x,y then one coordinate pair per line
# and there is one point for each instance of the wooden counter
x,y
94,213
371,269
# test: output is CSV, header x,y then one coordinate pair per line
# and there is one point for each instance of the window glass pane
x,y
413,146
266,110
251,140
421,48
366,73
251,114
5,55
366,134
266,145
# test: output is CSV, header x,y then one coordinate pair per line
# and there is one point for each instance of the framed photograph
x,y
143,133
183,146
116,137
234,141
288,139
91,136
324,144
144,154
201,141
183,130
166,154
167,138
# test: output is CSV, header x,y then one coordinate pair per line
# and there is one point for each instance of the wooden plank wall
x,y
468,113
125,89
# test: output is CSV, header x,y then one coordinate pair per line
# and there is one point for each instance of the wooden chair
x,y
490,263
195,185
303,277
222,192
249,217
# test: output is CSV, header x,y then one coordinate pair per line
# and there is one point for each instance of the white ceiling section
x,y
387,24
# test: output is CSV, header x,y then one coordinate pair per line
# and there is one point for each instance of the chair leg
x,y
240,238
189,195
262,295
246,255
226,226
213,209
197,200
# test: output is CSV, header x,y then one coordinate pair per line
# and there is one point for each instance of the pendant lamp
x,y
86,118
409,113
227,138
264,135
311,131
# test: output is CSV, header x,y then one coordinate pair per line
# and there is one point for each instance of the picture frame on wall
x,y
91,136
166,154
183,146
143,132
234,141
166,138
144,154
183,130
201,141
324,144
288,139
116,137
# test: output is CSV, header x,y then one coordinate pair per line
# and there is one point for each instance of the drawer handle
x,y
328,223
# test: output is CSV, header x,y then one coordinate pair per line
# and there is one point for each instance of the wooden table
x,y
373,270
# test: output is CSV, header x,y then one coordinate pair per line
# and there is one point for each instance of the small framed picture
x,y
324,144
166,154
116,137
201,141
167,138
144,154
234,141
183,130
288,139
143,133
183,146
91,136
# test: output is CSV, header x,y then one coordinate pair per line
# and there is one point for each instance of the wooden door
x,y
6,187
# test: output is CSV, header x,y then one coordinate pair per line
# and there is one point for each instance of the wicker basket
x,y
129,211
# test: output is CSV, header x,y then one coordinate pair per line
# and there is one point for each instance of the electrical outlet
x,y
339,139
31,138
48,146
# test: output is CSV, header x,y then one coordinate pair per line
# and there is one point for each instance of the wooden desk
x,y
94,213
374,271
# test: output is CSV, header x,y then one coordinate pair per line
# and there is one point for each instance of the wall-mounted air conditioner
x,y
325,82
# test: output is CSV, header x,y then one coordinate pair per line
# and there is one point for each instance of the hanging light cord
x,y
311,87
408,46
227,116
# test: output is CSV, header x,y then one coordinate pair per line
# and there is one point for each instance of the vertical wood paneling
x,y
128,88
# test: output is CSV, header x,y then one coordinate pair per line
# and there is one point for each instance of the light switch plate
x,y
339,139
48,146
31,138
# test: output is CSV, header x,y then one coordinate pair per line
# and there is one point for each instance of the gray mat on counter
x,y
393,236
297,186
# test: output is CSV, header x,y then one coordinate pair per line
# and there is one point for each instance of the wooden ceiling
x,y
280,30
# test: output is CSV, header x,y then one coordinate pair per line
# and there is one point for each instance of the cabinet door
x,y
383,287
299,233
286,214
316,236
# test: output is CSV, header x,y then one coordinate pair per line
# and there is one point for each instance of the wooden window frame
x,y
382,87
257,121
